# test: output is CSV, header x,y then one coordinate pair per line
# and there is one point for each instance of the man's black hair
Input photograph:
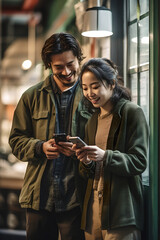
x,y
59,43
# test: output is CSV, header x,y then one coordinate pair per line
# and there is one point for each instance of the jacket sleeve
x,y
87,171
21,137
129,156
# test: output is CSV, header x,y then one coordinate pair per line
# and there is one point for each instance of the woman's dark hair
x,y
59,43
106,71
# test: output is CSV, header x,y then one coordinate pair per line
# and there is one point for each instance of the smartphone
x,y
60,137
78,141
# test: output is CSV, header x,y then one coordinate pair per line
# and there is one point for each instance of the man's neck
x,y
68,88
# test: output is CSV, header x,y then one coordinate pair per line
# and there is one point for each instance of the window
x,y
138,55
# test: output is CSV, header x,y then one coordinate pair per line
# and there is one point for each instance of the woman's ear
x,y
113,85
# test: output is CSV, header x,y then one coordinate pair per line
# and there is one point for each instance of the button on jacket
x,y
34,120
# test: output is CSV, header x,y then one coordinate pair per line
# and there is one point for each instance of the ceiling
x,y
18,14
24,26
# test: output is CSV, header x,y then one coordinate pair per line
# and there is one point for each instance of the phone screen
x,y
59,137
78,141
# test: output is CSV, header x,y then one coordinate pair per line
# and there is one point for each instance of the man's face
x,y
65,69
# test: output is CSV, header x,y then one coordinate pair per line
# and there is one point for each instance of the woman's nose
x,y
90,92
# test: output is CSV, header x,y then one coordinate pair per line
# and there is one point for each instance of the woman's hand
x,y
88,153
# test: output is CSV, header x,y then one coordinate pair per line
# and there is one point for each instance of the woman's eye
x,y
95,87
84,89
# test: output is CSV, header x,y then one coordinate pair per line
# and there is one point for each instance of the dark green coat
x,y
34,120
125,161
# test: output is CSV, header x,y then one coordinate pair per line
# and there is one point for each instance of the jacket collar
x,y
118,107
117,115
46,85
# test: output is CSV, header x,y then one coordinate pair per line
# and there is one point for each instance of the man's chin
x,y
69,84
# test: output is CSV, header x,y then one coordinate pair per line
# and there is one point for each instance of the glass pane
x,y
134,87
132,38
144,102
132,10
144,41
144,93
145,174
144,6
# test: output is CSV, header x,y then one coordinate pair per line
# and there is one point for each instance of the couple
x,y
103,177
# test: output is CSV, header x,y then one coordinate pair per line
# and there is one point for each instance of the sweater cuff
x,y
38,149
89,164
105,161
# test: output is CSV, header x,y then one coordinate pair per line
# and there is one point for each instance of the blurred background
x,y
25,25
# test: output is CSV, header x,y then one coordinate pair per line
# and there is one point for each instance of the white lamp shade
x,y
97,22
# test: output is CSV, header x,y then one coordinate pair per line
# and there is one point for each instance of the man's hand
x,y
50,149
65,148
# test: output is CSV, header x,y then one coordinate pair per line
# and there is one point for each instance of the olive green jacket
x,y
125,160
34,120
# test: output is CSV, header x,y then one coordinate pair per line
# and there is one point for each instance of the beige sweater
x,y
104,123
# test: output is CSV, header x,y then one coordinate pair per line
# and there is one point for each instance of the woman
x,y
115,158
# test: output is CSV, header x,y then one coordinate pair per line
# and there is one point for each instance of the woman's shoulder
x,y
129,108
127,105
132,107
133,111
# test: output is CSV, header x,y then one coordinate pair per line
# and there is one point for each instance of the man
x,y
53,106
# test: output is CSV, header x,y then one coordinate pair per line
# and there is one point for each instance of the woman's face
x,y
96,92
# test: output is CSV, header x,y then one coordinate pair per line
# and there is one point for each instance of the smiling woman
x,y
114,158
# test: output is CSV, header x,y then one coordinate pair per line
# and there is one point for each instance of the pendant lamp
x,y
97,22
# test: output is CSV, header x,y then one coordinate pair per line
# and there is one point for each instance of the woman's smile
x,y
94,100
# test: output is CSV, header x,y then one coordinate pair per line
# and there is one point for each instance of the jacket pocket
x,y
40,124
40,114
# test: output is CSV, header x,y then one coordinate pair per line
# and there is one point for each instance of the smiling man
x,y
65,67
54,105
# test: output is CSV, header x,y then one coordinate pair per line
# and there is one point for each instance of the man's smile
x,y
66,77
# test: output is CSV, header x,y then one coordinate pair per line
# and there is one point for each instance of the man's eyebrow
x,y
59,65
70,62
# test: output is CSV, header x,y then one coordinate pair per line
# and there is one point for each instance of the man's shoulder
x,y
37,87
